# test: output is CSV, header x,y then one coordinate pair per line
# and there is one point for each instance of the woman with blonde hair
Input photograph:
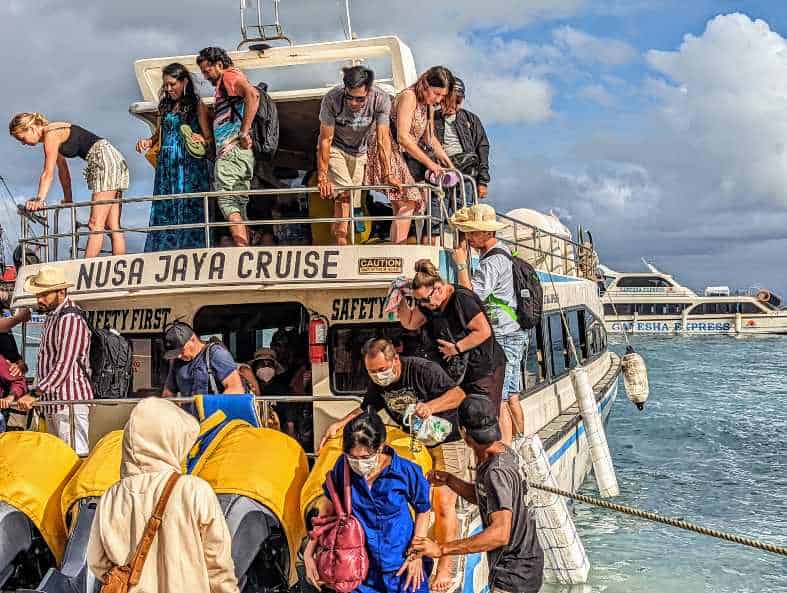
x,y
106,172
413,138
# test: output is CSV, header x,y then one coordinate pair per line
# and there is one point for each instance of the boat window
x,y
748,308
347,371
609,310
558,353
535,361
247,327
643,282
715,309
573,319
595,335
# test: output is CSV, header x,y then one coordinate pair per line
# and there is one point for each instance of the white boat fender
x,y
635,378
565,559
603,469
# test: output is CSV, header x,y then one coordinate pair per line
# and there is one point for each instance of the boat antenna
x,y
349,31
650,266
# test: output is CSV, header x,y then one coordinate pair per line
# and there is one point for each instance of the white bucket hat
x,y
481,217
48,279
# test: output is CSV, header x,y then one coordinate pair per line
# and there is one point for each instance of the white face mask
x,y
265,374
364,467
384,378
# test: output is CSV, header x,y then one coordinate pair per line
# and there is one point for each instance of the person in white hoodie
x,y
192,549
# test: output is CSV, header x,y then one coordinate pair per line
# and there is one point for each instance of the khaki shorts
x,y
233,172
452,458
345,169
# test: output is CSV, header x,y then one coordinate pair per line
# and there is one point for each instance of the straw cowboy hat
x,y
48,279
268,354
480,217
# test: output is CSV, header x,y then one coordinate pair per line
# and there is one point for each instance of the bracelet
x,y
456,345
461,267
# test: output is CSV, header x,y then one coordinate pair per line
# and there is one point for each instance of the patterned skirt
x,y
106,168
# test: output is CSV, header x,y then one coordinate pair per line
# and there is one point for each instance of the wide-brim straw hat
x,y
48,279
480,217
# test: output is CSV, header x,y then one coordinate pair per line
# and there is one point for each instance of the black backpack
x,y
527,286
110,360
265,129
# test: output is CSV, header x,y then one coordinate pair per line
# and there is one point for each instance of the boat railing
x,y
43,231
549,251
265,402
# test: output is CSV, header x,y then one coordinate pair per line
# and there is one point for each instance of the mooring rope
x,y
671,521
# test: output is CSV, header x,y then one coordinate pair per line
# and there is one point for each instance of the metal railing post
x,y
74,234
206,206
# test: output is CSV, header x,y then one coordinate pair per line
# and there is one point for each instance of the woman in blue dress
x,y
177,171
383,488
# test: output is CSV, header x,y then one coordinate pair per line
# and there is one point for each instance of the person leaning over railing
x,y
106,172
181,166
412,118
352,115
234,109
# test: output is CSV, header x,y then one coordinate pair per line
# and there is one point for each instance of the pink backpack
x,y
340,555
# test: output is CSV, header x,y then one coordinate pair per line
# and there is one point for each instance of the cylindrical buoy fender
x,y
565,559
738,323
603,469
635,378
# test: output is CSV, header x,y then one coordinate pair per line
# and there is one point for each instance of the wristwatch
x,y
461,267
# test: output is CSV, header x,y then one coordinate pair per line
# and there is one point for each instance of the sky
x,y
659,125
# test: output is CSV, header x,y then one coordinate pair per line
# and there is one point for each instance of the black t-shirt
x,y
8,348
450,324
500,485
421,381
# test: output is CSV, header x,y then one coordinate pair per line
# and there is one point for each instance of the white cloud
x,y
591,49
597,93
511,100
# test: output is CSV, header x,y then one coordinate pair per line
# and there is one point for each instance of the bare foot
x,y
444,577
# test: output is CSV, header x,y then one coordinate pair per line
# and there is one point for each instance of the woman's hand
x,y
415,573
310,565
143,145
35,204
435,168
445,161
198,138
459,254
6,402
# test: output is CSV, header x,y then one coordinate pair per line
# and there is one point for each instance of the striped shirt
x,y
65,342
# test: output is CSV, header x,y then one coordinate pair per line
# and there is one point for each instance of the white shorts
x,y
345,169
58,425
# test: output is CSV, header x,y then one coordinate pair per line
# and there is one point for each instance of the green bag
x,y
194,148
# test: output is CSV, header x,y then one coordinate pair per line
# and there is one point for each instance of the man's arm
x,y
251,102
464,489
450,400
497,535
8,323
323,156
233,383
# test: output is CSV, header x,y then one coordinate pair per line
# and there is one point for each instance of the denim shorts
x,y
514,345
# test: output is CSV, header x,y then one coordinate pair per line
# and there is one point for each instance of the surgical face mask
x,y
364,467
384,378
265,374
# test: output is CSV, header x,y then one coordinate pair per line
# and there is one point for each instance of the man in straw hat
x,y
493,282
63,356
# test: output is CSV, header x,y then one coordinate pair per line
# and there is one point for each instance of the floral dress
x,y
177,172
397,164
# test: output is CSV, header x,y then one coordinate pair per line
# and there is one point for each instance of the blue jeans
x,y
514,345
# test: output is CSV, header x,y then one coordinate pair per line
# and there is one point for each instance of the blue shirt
x,y
191,377
384,510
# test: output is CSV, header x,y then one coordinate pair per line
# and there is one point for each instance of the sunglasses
x,y
353,99
427,298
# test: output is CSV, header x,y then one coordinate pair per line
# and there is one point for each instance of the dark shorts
x,y
491,386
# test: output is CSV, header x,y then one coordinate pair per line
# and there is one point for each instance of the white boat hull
x,y
775,323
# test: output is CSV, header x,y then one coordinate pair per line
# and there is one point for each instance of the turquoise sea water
x,y
710,448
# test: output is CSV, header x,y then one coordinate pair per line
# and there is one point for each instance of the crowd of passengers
x,y
466,367
365,138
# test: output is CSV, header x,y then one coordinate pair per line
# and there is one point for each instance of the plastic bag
x,y
431,431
